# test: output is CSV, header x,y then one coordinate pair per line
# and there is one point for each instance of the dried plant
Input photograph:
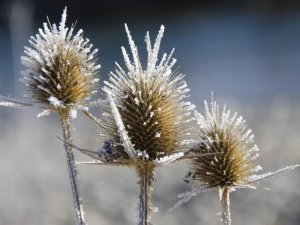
x,y
146,118
60,77
233,162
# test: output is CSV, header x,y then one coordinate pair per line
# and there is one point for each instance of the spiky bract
x,y
152,103
232,148
61,67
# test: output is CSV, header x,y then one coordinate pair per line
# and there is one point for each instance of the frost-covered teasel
x,y
232,144
61,76
61,67
225,157
147,115
152,102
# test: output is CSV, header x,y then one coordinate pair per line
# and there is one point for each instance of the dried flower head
x,y
232,146
60,75
146,118
225,157
61,67
151,102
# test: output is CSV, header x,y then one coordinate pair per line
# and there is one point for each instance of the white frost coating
x,y
55,102
157,135
142,154
93,162
154,209
256,169
133,49
185,197
128,147
14,103
44,113
260,177
169,159
73,113
136,100
45,46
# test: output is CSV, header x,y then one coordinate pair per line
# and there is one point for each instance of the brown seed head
x,y
232,148
61,68
151,103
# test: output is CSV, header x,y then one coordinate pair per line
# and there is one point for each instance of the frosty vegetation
x,y
146,121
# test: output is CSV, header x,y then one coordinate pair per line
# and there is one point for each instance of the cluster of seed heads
x,y
146,119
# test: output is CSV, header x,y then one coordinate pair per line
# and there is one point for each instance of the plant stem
x,y
145,173
225,201
66,128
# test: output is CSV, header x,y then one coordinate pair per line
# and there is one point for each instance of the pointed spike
x,y
261,177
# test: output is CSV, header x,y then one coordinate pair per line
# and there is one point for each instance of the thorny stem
x,y
225,201
145,172
66,128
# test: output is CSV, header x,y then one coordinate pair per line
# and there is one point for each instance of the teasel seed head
x,y
224,158
61,67
232,148
152,103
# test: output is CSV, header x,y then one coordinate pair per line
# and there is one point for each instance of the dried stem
x,y
145,173
66,128
225,201
14,103
92,117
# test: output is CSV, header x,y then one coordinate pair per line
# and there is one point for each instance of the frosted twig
x,y
72,169
93,154
94,162
225,201
14,103
185,197
133,49
169,158
257,178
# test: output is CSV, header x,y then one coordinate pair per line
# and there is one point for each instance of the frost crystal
x,y
169,159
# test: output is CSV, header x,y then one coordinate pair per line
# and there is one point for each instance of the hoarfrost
x,y
55,102
168,159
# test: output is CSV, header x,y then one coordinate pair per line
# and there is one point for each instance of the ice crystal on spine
x,y
151,101
61,66
225,157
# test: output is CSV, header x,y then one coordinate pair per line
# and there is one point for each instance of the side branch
x,y
13,103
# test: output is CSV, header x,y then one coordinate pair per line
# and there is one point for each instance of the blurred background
x,y
247,52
